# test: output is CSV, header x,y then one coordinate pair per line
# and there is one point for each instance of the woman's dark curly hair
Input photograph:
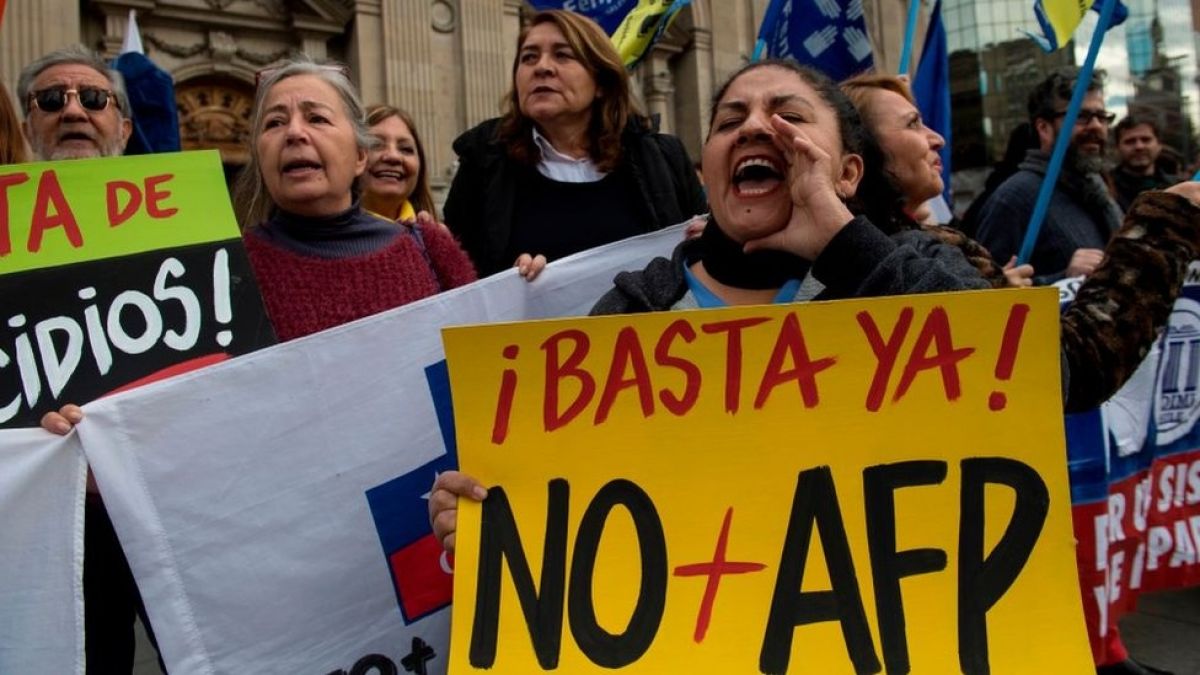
x,y
875,197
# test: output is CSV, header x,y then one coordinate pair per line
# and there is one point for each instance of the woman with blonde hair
x,y
570,164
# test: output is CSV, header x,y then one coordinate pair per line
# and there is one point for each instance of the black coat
x,y
479,208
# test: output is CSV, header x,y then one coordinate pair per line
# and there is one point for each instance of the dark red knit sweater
x,y
305,294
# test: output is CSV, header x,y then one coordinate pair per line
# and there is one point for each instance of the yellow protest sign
x,y
832,487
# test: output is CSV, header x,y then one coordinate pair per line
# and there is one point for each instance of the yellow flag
x,y
1060,18
642,26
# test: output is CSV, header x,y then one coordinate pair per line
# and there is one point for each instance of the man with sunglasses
x,y
75,106
1082,216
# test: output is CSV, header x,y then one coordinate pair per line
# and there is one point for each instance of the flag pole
x,y
770,19
910,32
1064,134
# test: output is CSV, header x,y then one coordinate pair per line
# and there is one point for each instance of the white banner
x,y
41,553
272,507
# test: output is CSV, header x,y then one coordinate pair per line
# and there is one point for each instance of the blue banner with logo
x,y
829,35
607,13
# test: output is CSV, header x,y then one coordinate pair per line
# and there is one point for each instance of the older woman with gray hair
x,y
320,259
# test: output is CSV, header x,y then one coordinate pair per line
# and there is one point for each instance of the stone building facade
x,y
446,61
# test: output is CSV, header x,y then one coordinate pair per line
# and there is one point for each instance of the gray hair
x,y
73,55
254,204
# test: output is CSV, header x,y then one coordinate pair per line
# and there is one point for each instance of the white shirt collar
x,y
564,168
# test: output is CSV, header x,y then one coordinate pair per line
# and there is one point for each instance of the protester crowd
x,y
813,191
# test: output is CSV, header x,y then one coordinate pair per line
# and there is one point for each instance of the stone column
x,y
486,57
659,89
694,87
364,54
408,73
314,44
31,28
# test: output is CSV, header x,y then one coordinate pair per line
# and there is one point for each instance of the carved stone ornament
x,y
442,16
173,49
219,46
222,46
272,7
215,115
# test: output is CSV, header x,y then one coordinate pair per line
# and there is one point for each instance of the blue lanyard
x,y
708,300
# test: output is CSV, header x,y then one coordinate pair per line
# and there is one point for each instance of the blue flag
x,y
931,87
829,35
607,13
151,92
152,96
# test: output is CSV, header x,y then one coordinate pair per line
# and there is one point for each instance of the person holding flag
x,y
1144,263
1082,216
571,164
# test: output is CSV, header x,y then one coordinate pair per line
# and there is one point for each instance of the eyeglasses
x,y
55,99
1086,116
266,73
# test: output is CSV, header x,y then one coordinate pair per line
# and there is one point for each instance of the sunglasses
x,y
55,99
266,73
1086,116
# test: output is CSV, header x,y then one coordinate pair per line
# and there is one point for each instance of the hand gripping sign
x,y
115,272
834,487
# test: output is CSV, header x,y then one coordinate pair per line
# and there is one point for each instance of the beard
x,y
1085,162
113,147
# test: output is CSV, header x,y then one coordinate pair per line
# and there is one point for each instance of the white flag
x,y
42,480
271,506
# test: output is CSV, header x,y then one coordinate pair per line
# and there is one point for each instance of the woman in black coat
x,y
571,164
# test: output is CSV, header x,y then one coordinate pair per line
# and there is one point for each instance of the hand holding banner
x,y
730,440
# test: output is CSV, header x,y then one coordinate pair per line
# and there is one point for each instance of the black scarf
x,y
726,262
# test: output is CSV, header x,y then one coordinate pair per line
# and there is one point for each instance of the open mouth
x,y
300,166
74,136
542,90
757,176
389,174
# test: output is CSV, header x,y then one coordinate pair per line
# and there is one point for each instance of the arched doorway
x,y
214,113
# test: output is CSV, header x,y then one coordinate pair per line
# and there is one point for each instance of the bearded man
x,y
75,106
1082,216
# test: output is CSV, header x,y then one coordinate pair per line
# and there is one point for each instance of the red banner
x,y
1135,481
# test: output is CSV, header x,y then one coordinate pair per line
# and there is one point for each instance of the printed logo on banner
x,y
422,572
828,35
1176,404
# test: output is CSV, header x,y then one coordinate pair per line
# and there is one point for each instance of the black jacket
x,y
1127,186
479,208
860,261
